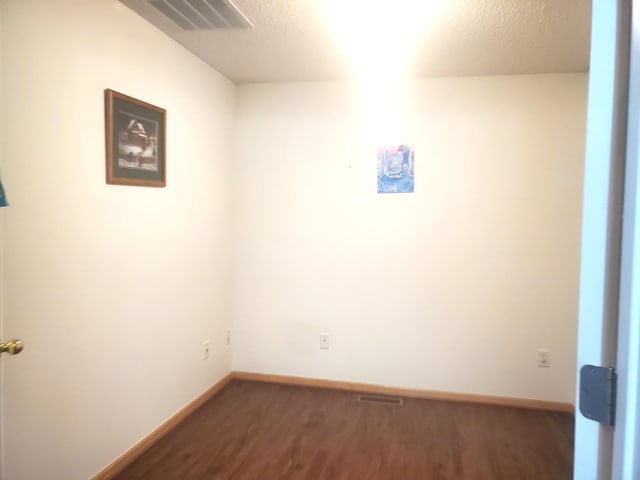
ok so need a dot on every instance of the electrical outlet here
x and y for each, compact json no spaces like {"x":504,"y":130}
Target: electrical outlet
{"x":228,"y":337}
{"x":325,"y":341}
{"x":207,"y":349}
{"x":544,"y":358}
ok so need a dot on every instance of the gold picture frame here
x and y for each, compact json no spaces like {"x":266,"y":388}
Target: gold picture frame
{"x":135,"y":141}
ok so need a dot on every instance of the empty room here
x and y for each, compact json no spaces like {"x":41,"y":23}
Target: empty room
{"x":295,"y":239}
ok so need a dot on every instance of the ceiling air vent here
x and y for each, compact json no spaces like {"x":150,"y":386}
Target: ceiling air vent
{"x":202,"y":14}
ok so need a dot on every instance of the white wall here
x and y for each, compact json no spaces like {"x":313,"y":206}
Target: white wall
{"x":112,"y":288}
{"x":1,"y":237}
{"x":450,"y":288}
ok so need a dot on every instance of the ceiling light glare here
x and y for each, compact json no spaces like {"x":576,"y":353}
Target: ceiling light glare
{"x":380,"y":37}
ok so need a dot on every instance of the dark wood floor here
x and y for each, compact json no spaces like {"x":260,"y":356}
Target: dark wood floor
{"x":253,"y":430}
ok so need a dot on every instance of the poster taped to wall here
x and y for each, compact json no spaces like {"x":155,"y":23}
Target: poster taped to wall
{"x":3,"y":198}
{"x":395,"y":169}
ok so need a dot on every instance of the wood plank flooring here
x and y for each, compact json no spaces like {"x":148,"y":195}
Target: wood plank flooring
{"x":254,"y":430}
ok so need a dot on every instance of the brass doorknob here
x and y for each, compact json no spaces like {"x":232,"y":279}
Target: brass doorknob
{"x":12,"y":347}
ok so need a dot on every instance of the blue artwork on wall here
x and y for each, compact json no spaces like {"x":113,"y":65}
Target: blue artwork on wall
{"x":395,"y":169}
{"x":3,"y":198}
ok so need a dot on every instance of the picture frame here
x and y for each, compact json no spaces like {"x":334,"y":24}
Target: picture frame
{"x":135,"y":141}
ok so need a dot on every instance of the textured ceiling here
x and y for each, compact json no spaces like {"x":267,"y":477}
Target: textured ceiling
{"x":293,"y":40}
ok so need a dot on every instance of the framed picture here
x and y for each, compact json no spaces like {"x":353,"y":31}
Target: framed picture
{"x":135,"y":139}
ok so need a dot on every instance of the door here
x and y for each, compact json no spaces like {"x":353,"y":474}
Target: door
{"x":609,"y":293}
{"x":626,"y":444}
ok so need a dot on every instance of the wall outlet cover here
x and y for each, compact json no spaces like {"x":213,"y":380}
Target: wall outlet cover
{"x":544,"y":358}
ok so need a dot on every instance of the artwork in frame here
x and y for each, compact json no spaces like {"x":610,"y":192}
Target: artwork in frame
{"x":396,"y":169}
{"x":135,"y":140}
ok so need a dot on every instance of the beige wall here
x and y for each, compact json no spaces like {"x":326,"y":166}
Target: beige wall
{"x":1,"y":232}
{"x":112,"y":288}
{"x":451,"y":288}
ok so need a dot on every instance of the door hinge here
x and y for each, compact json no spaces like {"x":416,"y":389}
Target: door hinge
{"x":598,"y":393}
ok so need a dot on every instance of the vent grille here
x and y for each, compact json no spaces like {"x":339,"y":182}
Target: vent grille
{"x":202,"y":14}
{"x":381,"y":400}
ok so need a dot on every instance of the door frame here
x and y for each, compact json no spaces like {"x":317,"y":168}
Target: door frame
{"x":606,"y":142}
{"x":609,"y":323}
{"x":626,"y":444}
